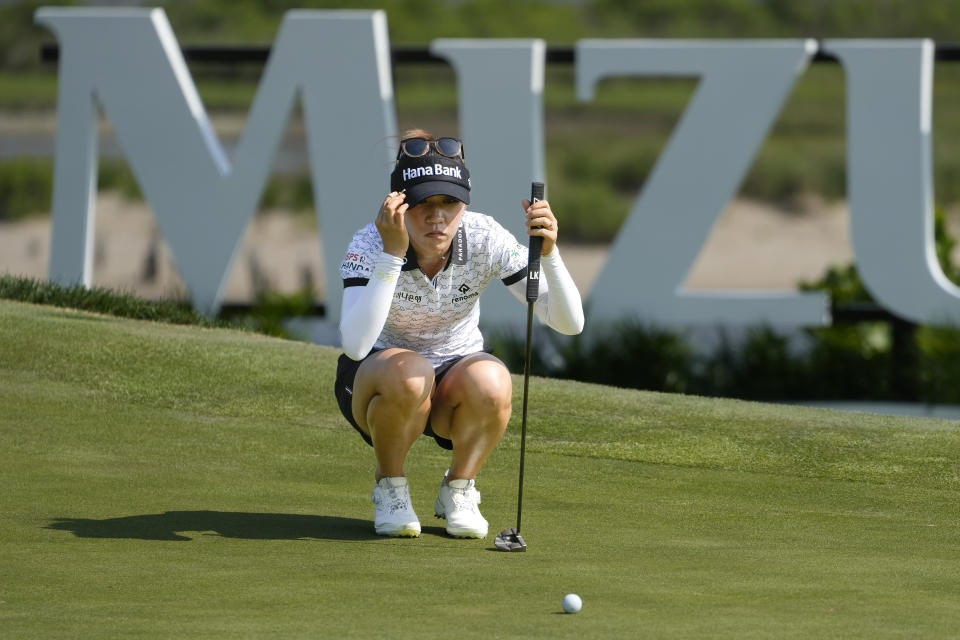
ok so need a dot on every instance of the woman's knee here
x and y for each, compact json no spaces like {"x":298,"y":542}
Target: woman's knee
{"x":488,"y":387}
{"x":402,"y":376}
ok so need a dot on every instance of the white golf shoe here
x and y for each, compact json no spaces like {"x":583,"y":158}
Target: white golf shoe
{"x":457,"y":503}
{"x":393,"y":514}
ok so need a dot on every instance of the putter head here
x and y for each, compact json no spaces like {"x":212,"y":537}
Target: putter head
{"x":510,"y":540}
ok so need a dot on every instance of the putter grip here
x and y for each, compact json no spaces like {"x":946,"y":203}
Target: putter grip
{"x":536,"y":244}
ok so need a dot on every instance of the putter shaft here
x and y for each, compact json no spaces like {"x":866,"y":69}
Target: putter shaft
{"x":523,"y":421}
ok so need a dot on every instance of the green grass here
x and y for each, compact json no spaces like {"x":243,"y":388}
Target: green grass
{"x":170,"y":481}
{"x":100,"y":300}
{"x":267,"y":315}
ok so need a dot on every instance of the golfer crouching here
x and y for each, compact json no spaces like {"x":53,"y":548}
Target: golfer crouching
{"x":414,"y":362}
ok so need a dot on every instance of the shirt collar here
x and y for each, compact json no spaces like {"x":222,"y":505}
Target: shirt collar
{"x":458,"y":252}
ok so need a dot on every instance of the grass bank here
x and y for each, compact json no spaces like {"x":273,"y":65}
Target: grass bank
{"x":167,"y":481}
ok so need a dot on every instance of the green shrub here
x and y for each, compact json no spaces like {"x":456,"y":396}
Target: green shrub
{"x":842,"y":282}
{"x":26,"y":185}
{"x":638,"y":356}
{"x":115,"y":175}
{"x":758,"y":367}
{"x":631,"y":355}
{"x":789,"y":166}
{"x":270,"y":310}
{"x":849,"y":362}
{"x":939,"y":364}
{"x":293,"y":192}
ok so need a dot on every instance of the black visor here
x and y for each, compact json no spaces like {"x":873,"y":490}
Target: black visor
{"x":431,"y":175}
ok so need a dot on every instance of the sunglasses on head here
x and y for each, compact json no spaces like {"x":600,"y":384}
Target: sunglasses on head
{"x":417,"y":147}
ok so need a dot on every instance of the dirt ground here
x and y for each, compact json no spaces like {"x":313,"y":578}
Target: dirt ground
{"x":752,"y":246}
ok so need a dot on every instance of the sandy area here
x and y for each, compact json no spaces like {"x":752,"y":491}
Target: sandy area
{"x":280,"y":252}
{"x":752,"y":246}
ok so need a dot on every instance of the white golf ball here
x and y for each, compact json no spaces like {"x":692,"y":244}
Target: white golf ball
{"x":572,"y":603}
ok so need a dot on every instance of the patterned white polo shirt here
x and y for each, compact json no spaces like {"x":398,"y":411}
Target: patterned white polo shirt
{"x":439,"y":318}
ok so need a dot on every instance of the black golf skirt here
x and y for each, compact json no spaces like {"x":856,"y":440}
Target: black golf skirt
{"x":343,"y":389}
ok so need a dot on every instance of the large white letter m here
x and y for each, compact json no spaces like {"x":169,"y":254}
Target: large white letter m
{"x":128,"y":63}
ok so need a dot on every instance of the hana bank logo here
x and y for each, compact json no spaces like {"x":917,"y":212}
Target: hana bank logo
{"x":435,"y":170}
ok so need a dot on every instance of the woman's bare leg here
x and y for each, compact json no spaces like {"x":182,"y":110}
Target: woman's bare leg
{"x":391,"y":403}
{"x":471,"y":407}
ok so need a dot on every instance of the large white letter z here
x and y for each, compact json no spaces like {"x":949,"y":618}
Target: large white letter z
{"x":742,"y":88}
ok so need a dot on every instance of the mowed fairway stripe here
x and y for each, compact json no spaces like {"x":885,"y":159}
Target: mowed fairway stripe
{"x":167,"y":481}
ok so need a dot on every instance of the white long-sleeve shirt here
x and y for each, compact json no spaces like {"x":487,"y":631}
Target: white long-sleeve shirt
{"x":389,"y":302}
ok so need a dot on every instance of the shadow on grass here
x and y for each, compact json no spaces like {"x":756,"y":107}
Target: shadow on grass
{"x":246,"y":526}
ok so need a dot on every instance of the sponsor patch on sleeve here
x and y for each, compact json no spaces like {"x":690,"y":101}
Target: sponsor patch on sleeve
{"x":355,"y":263}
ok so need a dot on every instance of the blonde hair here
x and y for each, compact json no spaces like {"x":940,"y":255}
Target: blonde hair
{"x":413,"y":133}
{"x":426,"y":135}
{"x":417,"y":133}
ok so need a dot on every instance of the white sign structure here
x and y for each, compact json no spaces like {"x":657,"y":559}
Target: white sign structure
{"x":889,"y":176}
{"x":742,"y":89}
{"x":126,"y":62}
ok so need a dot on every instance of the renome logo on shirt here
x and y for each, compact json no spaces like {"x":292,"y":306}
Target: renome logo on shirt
{"x":463,"y":288}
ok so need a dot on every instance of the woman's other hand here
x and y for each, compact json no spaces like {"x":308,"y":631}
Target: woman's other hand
{"x":541,"y":222}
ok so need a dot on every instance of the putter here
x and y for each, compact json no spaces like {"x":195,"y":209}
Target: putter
{"x":510,"y":539}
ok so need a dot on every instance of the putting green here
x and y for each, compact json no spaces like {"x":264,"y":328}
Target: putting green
{"x":165,"y":481}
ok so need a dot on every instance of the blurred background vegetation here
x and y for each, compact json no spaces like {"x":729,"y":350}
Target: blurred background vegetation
{"x":610,"y":146}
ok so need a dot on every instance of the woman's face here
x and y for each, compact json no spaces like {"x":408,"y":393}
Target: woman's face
{"x":432,"y":225}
